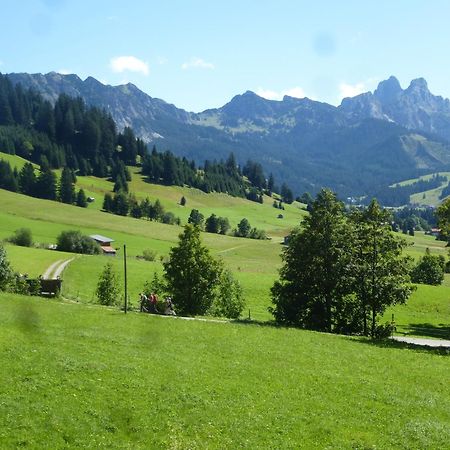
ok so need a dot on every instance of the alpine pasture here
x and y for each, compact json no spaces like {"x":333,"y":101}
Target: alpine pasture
{"x":91,"y":376}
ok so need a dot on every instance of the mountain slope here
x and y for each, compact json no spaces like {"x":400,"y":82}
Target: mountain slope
{"x":372,"y":139}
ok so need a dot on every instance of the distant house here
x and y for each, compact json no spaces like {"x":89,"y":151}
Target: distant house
{"x":436,"y":232}
{"x":105,"y":244}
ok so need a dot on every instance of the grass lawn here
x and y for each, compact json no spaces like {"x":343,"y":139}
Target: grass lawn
{"x":427,"y":312}
{"x":78,"y":376}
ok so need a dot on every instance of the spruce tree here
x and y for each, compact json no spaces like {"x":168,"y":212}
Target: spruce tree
{"x":27,"y":179}
{"x":81,"y":199}
{"x":46,"y":185}
{"x":66,"y":187}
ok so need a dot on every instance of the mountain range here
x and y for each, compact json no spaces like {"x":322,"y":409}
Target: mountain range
{"x":367,"y":142}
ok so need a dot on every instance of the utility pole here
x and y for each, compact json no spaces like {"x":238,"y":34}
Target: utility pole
{"x":125,"y":275}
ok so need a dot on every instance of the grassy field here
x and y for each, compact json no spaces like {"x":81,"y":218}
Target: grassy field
{"x":254,"y":263}
{"x":430,"y":197}
{"x":14,"y":160}
{"x":77,"y":376}
{"x":263,"y":216}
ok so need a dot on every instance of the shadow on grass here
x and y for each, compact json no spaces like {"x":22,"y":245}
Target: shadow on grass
{"x":391,"y":343}
{"x":440,"y":331}
{"x":261,"y":323}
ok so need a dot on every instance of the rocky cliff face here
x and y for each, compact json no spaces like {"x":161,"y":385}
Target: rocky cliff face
{"x":415,"y":108}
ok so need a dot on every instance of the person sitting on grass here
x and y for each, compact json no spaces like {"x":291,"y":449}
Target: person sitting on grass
{"x":170,"y":311}
{"x":143,"y":302}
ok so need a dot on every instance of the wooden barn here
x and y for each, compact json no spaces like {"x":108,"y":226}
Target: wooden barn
{"x":105,"y":244}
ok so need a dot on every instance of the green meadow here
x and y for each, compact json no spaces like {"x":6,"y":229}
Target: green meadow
{"x":84,"y":377}
{"x":78,"y":375}
{"x":431,"y":197}
{"x":254,"y":263}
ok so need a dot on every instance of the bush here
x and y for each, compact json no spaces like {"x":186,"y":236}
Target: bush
{"x":75,"y":242}
{"x":383,"y":331}
{"x":429,"y":270}
{"x":149,"y":255}
{"x":229,"y":301}
{"x":22,"y":237}
{"x":6,"y":273}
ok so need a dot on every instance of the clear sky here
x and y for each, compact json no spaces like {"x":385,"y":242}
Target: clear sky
{"x":198,"y":54}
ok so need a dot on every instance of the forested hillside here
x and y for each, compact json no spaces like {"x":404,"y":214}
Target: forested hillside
{"x":85,"y":140}
{"x":368,"y":143}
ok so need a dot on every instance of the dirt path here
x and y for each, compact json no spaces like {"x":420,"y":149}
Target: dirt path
{"x":424,"y":342}
{"x":56,"y":269}
{"x":50,"y":269}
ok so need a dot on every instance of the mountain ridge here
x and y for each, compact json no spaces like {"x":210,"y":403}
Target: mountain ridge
{"x":376,"y":137}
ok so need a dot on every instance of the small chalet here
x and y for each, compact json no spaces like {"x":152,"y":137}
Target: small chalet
{"x":105,"y":244}
{"x":436,"y":232}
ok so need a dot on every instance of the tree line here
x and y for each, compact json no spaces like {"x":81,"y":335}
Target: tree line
{"x":214,"y":176}
{"x":66,"y":134}
{"x":399,"y":195}
{"x":44,"y":185}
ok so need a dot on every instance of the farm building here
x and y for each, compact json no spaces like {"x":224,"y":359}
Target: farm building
{"x":105,"y":244}
{"x":436,"y":232}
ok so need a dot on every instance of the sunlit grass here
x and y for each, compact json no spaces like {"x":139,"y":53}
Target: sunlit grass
{"x":77,"y":377}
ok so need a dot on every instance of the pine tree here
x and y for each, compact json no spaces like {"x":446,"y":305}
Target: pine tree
{"x":46,"y":185}
{"x":81,"y":199}
{"x":108,"y":203}
{"x":66,"y":187}
{"x":191,"y":273}
{"x":27,"y":179}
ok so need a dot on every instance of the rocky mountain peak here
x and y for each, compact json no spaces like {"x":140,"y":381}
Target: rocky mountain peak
{"x":388,"y":90}
{"x":418,"y":84}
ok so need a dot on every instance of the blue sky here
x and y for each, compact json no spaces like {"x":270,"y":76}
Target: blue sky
{"x":198,"y":54}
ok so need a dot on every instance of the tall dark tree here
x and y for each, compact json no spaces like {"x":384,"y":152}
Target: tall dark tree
{"x":196,"y":218}
{"x":8,"y":177}
{"x":46,"y":185}
{"x":286,"y":194}
{"x":66,"y":186}
{"x":380,"y":271}
{"x":212,"y":224}
{"x":314,"y":279}
{"x":81,"y":199}
{"x":270,"y":184}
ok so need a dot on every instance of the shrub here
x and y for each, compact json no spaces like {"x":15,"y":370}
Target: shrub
{"x":229,"y":301}
{"x":75,"y":242}
{"x":22,"y":237}
{"x":429,"y":270}
{"x":383,"y":331}
{"x":149,"y":255}
{"x":6,"y":273}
